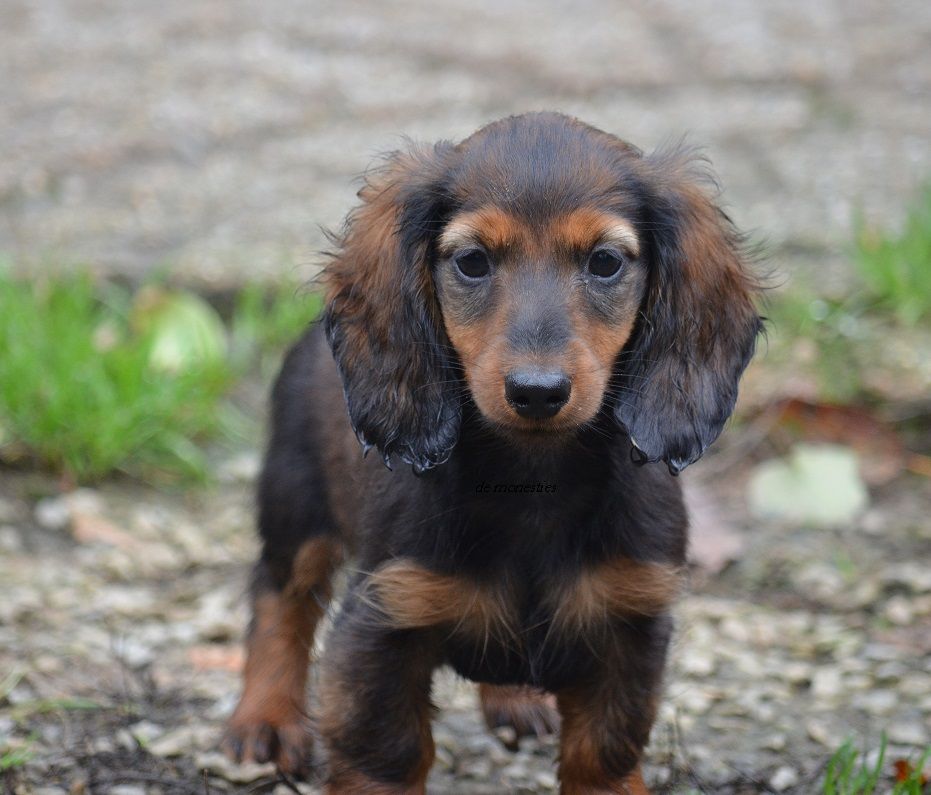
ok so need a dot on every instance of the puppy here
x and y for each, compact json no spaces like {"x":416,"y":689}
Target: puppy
{"x":536,"y":329}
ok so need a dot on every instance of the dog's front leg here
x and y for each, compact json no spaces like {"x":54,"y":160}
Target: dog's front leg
{"x":375,"y":705}
{"x":606,"y":719}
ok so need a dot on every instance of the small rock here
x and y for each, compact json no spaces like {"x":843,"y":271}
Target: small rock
{"x":910,"y":734}
{"x":181,"y":741}
{"x":890,"y":672}
{"x":796,"y":673}
{"x":694,"y":701}
{"x":288,"y":789}
{"x":53,"y":513}
{"x":103,"y":745}
{"x":126,"y":789}
{"x":478,"y":768}
{"x":877,"y":702}
{"x":507,"y":735}
{"x":912,"y":576}
{"x":783,"y":778}
{"x":546,"y":778}
{"x":444,"y":759}
{"x":880,"y":652}
{"x":218,"y":764}
{"x":514,"y":772}
{"x":242,"y":468}
{"x":145,"y":731}
{"x":774,"y":742}
{"x":134,"y":653}
{"x":826,"y":683}
{"x":898,"y":611}
{"x":820,"y":733}
{"x":698,"y":664}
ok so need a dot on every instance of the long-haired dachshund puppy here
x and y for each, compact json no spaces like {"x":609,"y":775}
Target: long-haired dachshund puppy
{"x":545,"y":325}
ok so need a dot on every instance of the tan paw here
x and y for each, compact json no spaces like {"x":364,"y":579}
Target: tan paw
{"x":287,"y":743}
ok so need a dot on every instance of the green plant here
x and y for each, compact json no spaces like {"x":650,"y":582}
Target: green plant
{"x":848,"y":772}
{"x":271,"y":319}
{"x":12,"y":757}
{"x":827,"y":334}
{"x":896,"y":269}
{"x":79,"y":389}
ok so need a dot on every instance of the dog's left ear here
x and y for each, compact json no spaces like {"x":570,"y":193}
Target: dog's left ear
{"x":383,"y":320}
{"x":698,"y":324}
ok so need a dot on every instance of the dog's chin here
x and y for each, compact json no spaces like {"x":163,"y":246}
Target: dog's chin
{"x":535,"y":433}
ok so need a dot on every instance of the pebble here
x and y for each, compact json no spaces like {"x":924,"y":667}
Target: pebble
{"x":144,"y":732}
{"x":181,"y":741}
{"x":877,"y":702}
{"x":908,"y":733}
{"x":53,"y":513}
{"x":783,"y":778}
{"x":775,"y":742}
{"x":820,"y":733}
{"x":827,"y":683}
{"x":218,"y":764}
{"x":697,"y":663}
{"x":241,"y":468}
{"x":477,"y":768}
{"x":898,"y":610}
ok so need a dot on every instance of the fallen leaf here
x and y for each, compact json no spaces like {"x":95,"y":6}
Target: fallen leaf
{"x":186,"y":331}
{"x":93,"y":529}
{"x":905,"y":771}
{"x":815,"y":484}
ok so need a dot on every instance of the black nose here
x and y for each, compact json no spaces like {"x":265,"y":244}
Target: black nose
{"x":537,"y":394}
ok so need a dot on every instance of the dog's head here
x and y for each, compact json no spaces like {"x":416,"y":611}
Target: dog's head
{"x":549,"y":271}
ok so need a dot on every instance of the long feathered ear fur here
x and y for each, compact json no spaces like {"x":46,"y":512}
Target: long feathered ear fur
{"x":382,"y":318}
{"x":698,"y":326}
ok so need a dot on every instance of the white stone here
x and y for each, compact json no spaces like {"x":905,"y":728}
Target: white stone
{"x":783,"y":778}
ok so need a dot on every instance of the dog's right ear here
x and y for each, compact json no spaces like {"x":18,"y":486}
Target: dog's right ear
{"x":383,"y":320}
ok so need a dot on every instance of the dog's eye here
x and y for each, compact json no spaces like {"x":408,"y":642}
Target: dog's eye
{"x":473,"y":264}
{"x":604,"y":263}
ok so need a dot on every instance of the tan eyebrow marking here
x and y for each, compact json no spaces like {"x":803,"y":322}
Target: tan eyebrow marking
{"x":489,"y":226}
{"x":586,"y":227}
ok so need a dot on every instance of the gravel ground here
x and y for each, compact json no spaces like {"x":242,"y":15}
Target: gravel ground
{"x":123,"y":610}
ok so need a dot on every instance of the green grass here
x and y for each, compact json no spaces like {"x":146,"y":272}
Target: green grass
{"x":896,"y":268}
{"x":271,"y":320}
{"x":833,"y":330}
{"x":11,"y":758}
{"x":848,"y":773}
{"x":96,"y":379}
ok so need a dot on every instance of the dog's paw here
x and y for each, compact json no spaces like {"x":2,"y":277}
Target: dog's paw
{"x":288,"y":743}
{"x":530,"y":712}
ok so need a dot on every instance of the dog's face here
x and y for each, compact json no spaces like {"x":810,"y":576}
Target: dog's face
{"x":548,"y":272}
{"x":538,"y":309}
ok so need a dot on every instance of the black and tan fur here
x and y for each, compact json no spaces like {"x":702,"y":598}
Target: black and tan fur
{"x":553,"y":600}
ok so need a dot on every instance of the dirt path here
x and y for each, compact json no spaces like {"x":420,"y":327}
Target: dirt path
{"x":123,"y":609}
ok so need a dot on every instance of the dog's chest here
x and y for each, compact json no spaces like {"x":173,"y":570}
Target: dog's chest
{"x":521,"y":621}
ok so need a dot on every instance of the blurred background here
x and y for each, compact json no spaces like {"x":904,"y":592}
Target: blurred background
{"x":166,"y":170}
